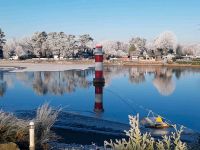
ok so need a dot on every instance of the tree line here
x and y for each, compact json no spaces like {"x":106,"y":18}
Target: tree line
{"x":47,"y":45}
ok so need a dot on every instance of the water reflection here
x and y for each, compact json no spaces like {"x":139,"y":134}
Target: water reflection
{"x":136,"y":75}
{"x":3,"y":84}
{"x":163,"y":81}
{"x":98,"y":106}
{"x":58,"y":83}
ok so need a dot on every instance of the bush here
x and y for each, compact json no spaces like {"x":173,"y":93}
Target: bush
{"x":45,"y":118}
{"x":11,"y":128}
{"x":16,"y":130}
{"x":139,"y":141}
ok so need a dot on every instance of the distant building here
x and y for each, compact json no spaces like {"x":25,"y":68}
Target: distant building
{"x":158,"y":56}
{"x":56,"y":57}
{"x":169,"y":57}
{"x":187,"y":57}
{"x":124,"y":58}
{"x":135,"y":55}
{"x":14,"y":57}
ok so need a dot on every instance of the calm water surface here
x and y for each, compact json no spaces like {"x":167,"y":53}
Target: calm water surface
{"x":173,"y":93}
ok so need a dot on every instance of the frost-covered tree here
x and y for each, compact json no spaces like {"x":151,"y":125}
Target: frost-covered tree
{"x":191,"y":49}
{"x":83,"y":43}
{"x":2,"y":42}
{"x":21,"y":48}
{"x":19,"y":51}
{"x":53,"y":43}
{"x":71,"y":46}
{"x":109,"y":47}
{"x":37,"y":41}
{"x":166,"y":42}
{"x":179,"y":50}
{"x":84,"y":40}
{"x":9,"y":49}
{"x":150,"y":46}
{"x":131,"y":50}
{"x":196,"y":50}
{"x":139,"y":43}
{"x":58,"y":43}
{"x":115,"y":48}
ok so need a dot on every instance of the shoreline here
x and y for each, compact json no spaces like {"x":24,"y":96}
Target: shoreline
{"x":41,"y":65}
{"x":26,"y":66}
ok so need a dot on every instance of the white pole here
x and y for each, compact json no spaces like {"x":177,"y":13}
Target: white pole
{"x":31,"y":136}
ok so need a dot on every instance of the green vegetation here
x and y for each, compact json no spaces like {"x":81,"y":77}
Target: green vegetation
{"x":196,"y":62}
{"x":139,"y":141}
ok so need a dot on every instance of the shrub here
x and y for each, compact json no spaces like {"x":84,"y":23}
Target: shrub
{"x":11,"y":128}
{"x":16,"y":130}
{"x":45,"y":118}
{"x":138,"y":141}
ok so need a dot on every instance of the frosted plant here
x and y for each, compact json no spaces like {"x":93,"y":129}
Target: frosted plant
{"x":84,"y":40}
{"x":2,"y":39}
{"x":70,"y":45}
{"x":139,"y":43}
{"x":37,"y":41}
{"x":166,"y":42}
{"x":150,"y":45}
{"x":191,"y":49}
{"x":115,"y":48}
{"x":45,"y":118}
{"x":10,"y":48}
{"x":15,"y":130}
{"x":138,"y":141}
{"x":176,"y":138}
{"x":11,"y":128}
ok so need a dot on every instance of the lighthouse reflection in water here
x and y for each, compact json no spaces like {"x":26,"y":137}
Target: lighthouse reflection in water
{"x":98,"y":106}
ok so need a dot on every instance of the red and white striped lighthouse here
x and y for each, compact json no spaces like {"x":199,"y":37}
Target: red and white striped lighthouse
{"x":98,"y":81}
{"x":99,"y":65}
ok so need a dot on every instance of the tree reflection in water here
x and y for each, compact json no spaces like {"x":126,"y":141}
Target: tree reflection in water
{"x":163,"y":81}
{"x":58,"y":83}
{"x":3,"y":84}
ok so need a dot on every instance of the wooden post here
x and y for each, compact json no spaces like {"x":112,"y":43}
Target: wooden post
{"x":31,"y":136}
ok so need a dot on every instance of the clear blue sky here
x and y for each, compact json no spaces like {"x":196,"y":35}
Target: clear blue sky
{"x":103,"y":19}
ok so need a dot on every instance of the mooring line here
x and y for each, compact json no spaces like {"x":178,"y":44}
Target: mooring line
{"x":130,"y":100}
{"x":123,"y":99}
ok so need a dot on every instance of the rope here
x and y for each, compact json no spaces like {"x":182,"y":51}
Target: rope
{"x":121,"y":98}
{"x":125,"y":100}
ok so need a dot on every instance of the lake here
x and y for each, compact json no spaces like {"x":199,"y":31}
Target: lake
{"x":173,"y":93}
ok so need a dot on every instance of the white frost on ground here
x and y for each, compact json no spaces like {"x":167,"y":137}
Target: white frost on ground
{"x":29,"y":67}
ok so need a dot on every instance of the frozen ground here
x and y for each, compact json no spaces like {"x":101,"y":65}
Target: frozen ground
{"x":29,"y":67}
